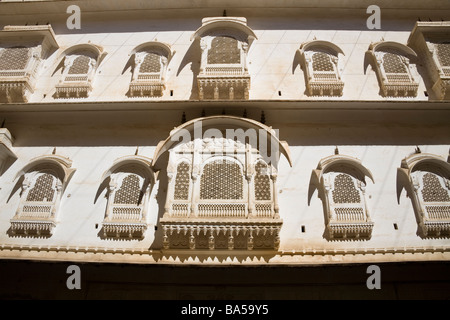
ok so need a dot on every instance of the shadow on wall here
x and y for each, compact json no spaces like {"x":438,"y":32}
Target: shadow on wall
{"x":192,"y":57}
{"x":161,"y":195}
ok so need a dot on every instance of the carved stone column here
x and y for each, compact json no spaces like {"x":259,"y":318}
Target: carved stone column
{"x":276,"y":208}
{"x":250,"y":239}
{"x":230,"y":239}
{"x":251,"y":195}
{"x":145,"y":203}
{"x":57,"y":199}
{"x":211,"y":240}
{"x":170,"y":188}
{"x":166,"y":243}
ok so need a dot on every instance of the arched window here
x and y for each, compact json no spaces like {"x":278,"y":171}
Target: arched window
{"x":80,"y":65}
{"x":224,"y":43}
{"x":391,"y":62}
{"x":221,"y":193}
{"x":322,"y":71}
{"x":342,"y":189}
{"x":44,"y":181}
{"x":150,"y":62}
{"x":22,"y":48}
{"x":130,"y":183}
{"x":428,"y":184}
{"x":18,"y":72}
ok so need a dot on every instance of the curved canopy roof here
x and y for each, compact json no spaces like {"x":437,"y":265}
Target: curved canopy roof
{"x":217,"y":121}
{"x":61,"y":163}
{"x":141,"y":161}
{"x":321,"y":43}
{"x":328,"y":162}
{"x":238,"y":23}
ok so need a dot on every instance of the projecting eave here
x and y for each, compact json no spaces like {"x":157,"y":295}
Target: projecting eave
{"x":42,"y":33}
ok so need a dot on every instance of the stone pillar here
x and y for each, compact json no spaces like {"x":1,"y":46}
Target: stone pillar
{"x":276,"y":208}
{"x":57,"y":200}
{"x":169,"y":197}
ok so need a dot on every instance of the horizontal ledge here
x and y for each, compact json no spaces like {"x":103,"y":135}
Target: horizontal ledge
{"x":134,"y":105}
{"x":280,"y":253}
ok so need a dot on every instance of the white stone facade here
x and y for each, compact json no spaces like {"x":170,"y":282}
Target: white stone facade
{"x":360,"y":118}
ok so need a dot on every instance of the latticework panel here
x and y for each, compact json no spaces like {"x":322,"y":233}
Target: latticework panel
{"x":443,"y":53}
{"x":182,"y":181}
{"x":322,"y":62}
{"x":151,"y":63}
{"x":344,"y":190}
{"x":393,"y":64}
{"x":43,"y":190}
{"x":262,"y":182}
{"x":224,"y":50}
{"x":14,"y":58}
{"x":129,"y":192}
{"x":432,"y":189}
{"x":221,"y":179}
{"x":80,"y":65}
